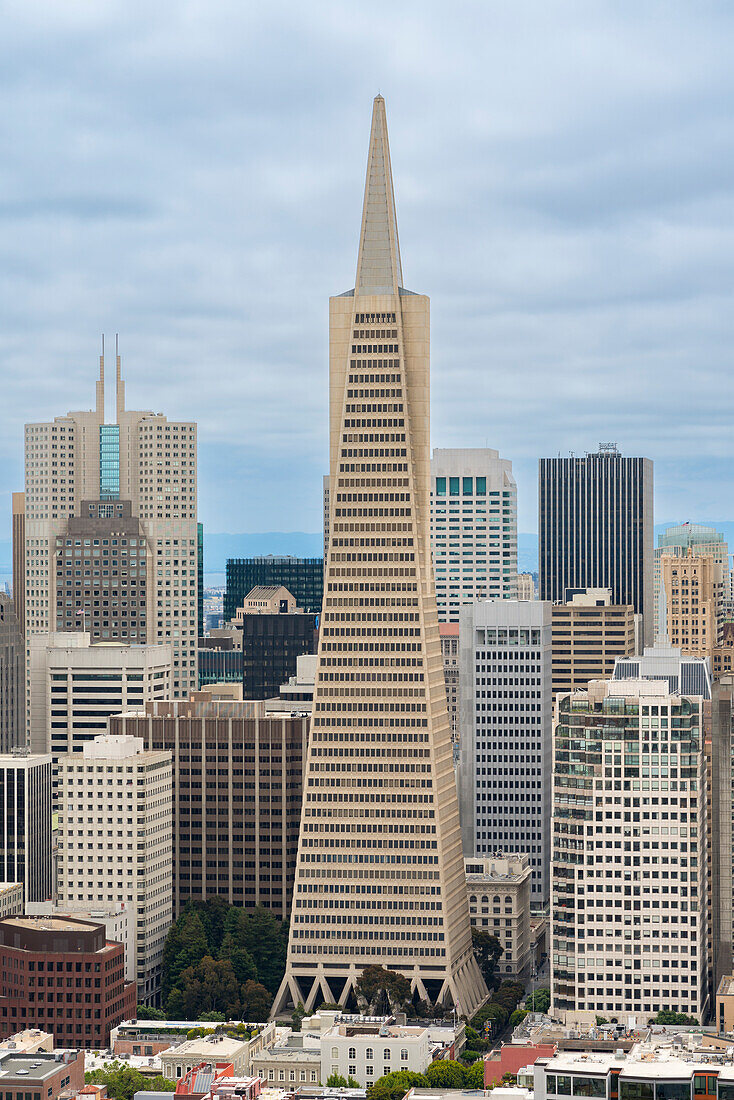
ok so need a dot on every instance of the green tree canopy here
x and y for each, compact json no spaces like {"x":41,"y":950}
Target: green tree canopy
{"x":210,"y":986}
{"x":395,"y":1085}
{"x":487,"y":950}
{"x":668,"y":1016}
{"x":378,"y":988}
{"x":123,"y":1082}
{"x":446,"y":1074}
{"x":539,"y":1001}
{"x":475,"y":1075}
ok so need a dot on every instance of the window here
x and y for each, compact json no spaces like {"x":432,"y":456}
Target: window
{"x":468,"y":486}
{"x":441,"y":486}
{"x":369,"y":1055}
{"x":403,"y":1055}
{"x":699,"y":1084}
{"x":674,"y":1090}
{"x":589,"y":1086}
{"x":635,"y":1090}
{"x":563,"y":1085}
{"x":386,"y":1054}
{"x":352,"y":1053}
{"x":335,"y":1052}
{"x":454,"y":486}
{"x":481,"y":486}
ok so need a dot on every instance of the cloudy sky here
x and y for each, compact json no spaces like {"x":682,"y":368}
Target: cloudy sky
{"x":190,"y":175}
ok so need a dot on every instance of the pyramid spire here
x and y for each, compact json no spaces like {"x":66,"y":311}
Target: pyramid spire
{"x":378,"y":262}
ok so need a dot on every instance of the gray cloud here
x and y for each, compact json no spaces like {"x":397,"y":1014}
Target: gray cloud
{"x":191,"y":175}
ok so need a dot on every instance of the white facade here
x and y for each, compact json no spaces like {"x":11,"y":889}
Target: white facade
{"x":630,"y":876}
{"x":505,"y":724}
{"x":473,"y":528}
{"x":116,"y":842}
{"x":75,"y":686}
{"x":177,"y":1062}
{"x":117,"y":918}
{"x":367,"y":1053}
{"x":156,"y":472}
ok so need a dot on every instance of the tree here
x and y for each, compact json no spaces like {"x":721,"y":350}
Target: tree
{"x":395,"y":1085}
{"x":211,"y":986}
{"x":256,"y":1002}
{"x":186,"y":945}
{"x":213,"y":1017}
{"x":475,"y":1075}
{"x":266,"y":940}
{"x":667,"y":1016}
{"x":538,"y":1001}
{"x":518,"y":1016}
{"x":147,"y":1012}
{"x":336,"y":1081}
{"x":123,"y":1082}
{"x":378,"y":1092}
{"x":487,"y":950}
{"x":378,"y":988}
{"x":601,"y":1020}
{"x":446,"y":1074}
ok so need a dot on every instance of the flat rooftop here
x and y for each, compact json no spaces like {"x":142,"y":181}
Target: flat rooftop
{"x":726,"y":986}
{"x":646,"y":1060}
{"x":31,"y":1067}
{"x":48,"y":924}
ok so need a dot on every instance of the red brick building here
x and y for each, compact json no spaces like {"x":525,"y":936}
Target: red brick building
{"x":43,"y":1075}
{"x":62,"y":975}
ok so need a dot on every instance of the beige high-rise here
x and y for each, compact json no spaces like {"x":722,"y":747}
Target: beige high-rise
{"x":691,"y":594}
{"x":380,"y":875}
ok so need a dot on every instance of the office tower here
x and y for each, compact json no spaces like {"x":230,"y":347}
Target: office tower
{"x":596,"y":529}
{"x":684,"y":674}
{"x":25,"y":823}
{"x":380,"y":875}
{"x":473,"y":528}
{"x":296,"y":695}
{"x":111,"y":538}
{"x":12,"y":678}
{"x":449,"y":635}
{"x":304,"y":577}
{"x":236,"y":800}
{"x":499,"y":903}
{"x":75,"y":686}
{"x":690,"y":600}
{"x":41,"y":961}
{"x":722,"y":849}
{"x":200,"y":579}
{"x":630,"y":878}
{"x":589,"y":633}
{"x":116,"y":790}
{"x":18,"y":533}
{"x":505,"y":732}
{"x":525,"y":586}
{"x":677,"y":541}
{"x":275,"y":633}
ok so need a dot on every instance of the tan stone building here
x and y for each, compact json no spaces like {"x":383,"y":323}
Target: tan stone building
{"x":692,"y":591}
{"x":267,"y":600}
{"x":498,"y":888}
{"x":525,"y":586}
{"x":110,"y":529}
{"x":380,"y":873}
{"x":589,"y":633}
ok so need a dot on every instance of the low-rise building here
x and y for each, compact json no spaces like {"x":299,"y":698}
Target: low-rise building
{"x":366,"y":1051}
{"x":725,"y":1005}
{"x":295,"y":1059}
{"x":178,"y":1061}
{"x":499,"y":903}
{"x":41,"y":1075}
{"x":28,"y":1042}
{"x":200,"y":1079}
{"x":11,"y":899}
{"x":654,"y":1069}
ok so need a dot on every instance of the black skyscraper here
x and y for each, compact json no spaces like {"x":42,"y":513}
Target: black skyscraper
{"x":596,"y":529}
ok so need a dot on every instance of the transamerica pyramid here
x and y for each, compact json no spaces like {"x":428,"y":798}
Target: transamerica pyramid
{"x":380,"y":872}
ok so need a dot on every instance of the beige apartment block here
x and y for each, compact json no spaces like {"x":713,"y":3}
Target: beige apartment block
{"x":94,"y":492}
{"x":74,"y":686}
{"x":525,"y":586}
{"x":380,"y":873}
{"x":499,"y":903}
{"x":449,"y":633}
{"x":12,"y":896}
{"x":116,"y":841}
{"x":691,"y":594}
{"x":589,"y":633}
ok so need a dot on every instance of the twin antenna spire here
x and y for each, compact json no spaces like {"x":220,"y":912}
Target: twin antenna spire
{"x":119,"y":384}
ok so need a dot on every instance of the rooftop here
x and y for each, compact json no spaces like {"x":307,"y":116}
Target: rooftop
{"x":48,"y":924}
{"x":726,"y":986}
{"x":672,"y":1059}
{"x":34,"y":1067}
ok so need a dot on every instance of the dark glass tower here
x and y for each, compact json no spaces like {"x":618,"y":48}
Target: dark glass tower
{"x":596,"y":529}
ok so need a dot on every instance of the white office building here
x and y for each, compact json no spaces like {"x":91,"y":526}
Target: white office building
{"x":473,"y":528}
{"x":116,"y":841}
{"x":75,"y":686}
{"x":505,"y":723}
{"x":629,"y":931}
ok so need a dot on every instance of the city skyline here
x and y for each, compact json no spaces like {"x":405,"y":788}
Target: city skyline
{"x":576,"y":199}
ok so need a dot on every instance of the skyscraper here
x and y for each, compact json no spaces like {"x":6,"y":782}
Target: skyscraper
{"x":676,"y":541}
{"x":629,"y":922}
{"x":380,"y":875}
{"x":110,"y":528}
{"x":506,"y":731}
{"x":473,"y":528}
{"x":12,"y":678}
{"x":596,"y":529}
